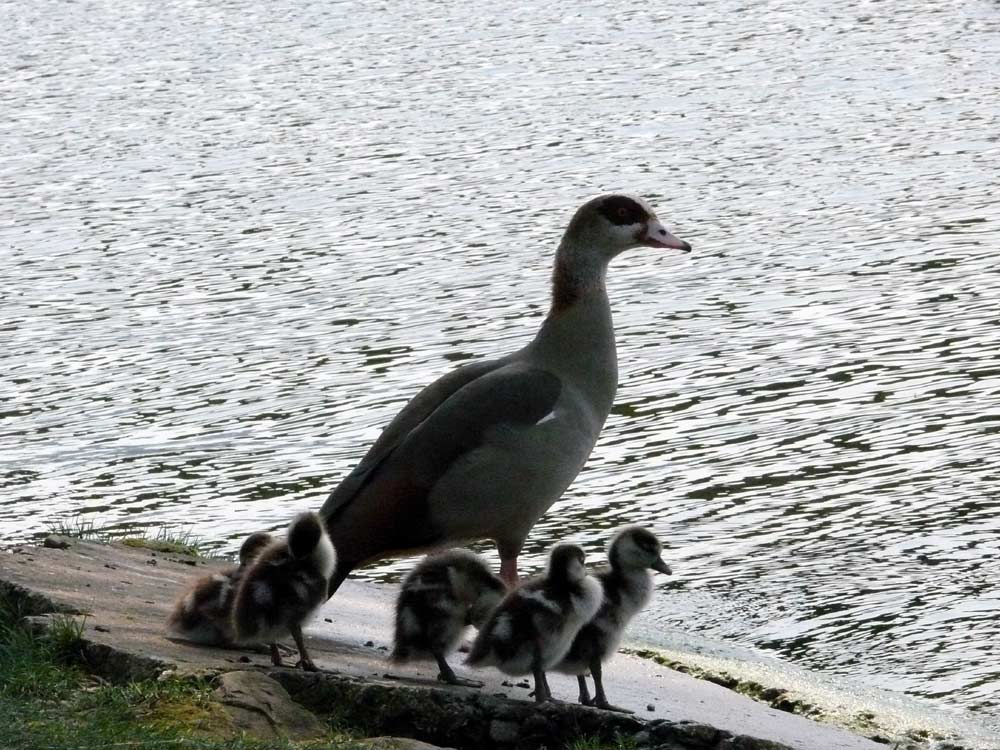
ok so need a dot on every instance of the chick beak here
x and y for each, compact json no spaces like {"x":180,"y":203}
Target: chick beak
{"x":656,"y":235}
{"x":661,"y":567}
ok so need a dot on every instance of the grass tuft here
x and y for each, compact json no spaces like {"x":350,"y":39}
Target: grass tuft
{"x":165,"y":540}
{"x":64,"y":637}
{"x":621,"y":742}
{"x":158,"y":538}
{"x":78,"y":527}
{"x":30,"y":662}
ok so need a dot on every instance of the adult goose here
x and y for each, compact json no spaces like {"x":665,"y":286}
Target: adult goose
{"x":482,"y":452}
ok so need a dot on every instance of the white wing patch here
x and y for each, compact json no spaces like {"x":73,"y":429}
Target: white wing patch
{"x":409,"y":625}
{"x":224,"y":590}
{"x":301,"y":590}
{"x":501,"y":628}
{"x":261,"y":594}
{"x":539,"y":598}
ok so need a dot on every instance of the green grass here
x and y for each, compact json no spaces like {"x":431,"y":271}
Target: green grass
{"x":78,"y":527}
{"x":47,"y":703}
{"x":29,"y":665}
{"x":592,"y":743}
{"x":165,"y":540}
{"x":162,"y":539}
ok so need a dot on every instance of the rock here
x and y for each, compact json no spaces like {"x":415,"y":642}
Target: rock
{"x":504,"y":732}
{"x":57,"y":541}
{"x":686,"y":733}
{"x":398,"y":743}
{"x":650,"y":707}
{"x":260,"y":706}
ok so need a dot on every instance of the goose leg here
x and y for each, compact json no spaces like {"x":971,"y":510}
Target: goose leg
{"x":508,"y":571}
{"x":600,"y":699}
{"x":448,"y":675}
{"x":304,"y":660}
{"x":585,"y":699}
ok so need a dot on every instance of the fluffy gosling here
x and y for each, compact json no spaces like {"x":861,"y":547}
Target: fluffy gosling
{"x":284,"y":585}
{"x":439,"y":598}
{"x":534,"y":625}
{"x":202,"y":614}
{"x":626,"y":585}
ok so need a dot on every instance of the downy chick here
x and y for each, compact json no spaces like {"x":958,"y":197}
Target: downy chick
{"x":283,"y":586}
{"x":626,"y":587}
{"x":203,"y":614}
{"x":442,"y":595}
{"x":534,"y":626}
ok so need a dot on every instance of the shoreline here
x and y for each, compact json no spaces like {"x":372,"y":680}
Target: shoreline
{"x":897,"y":728}
{"x":135,"y":587}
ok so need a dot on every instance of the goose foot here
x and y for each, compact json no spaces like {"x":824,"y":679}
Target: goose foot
{"x":454,"y":679}
{"x":610,"y":707}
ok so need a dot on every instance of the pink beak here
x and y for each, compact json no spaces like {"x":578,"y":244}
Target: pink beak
{"x":656,"y":235}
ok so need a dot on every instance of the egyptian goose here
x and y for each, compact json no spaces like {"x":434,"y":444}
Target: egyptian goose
{"x":482,"y":452}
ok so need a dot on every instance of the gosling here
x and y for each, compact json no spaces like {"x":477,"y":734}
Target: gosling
{"x":202,"y":614}
{"x":284,"y":586}
{"x":439,"y":598}
{"x":626,"y":587}
{"x":534,"y":625}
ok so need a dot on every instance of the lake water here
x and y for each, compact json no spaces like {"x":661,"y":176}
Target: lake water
{"x":235,"y":238}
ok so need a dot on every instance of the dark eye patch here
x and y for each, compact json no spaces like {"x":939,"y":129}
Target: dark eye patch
{"x":646,"y":542}
{"x":622,"y":211}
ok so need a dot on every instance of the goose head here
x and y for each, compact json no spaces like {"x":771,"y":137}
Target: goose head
{"x":601,"y":229}
{"x":613,"y":223}
{"x":566,"y":564}
{"x":635,"y":548}
{"x":252,"y":546}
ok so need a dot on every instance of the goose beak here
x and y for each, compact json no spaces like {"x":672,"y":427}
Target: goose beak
{"x":656,"y":235}
{"x":661,"y":567}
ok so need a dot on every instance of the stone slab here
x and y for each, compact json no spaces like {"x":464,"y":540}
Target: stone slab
{"x":127,"y":592}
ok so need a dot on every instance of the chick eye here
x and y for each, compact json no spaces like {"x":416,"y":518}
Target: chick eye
{"x":622,"y":212}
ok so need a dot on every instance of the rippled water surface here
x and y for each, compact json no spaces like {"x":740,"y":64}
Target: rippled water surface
{"x":235,"y":238}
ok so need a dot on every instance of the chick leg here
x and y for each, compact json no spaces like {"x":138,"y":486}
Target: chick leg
{"x":548,"y":690}
{"x":600,"y":699}
{"x":304,"y":660}
{"x":276,"y":655}
{"x":448,"y":675}
{"x":585,"y":699}
{"x":541,"y":688}
{"x":541,"y":684}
